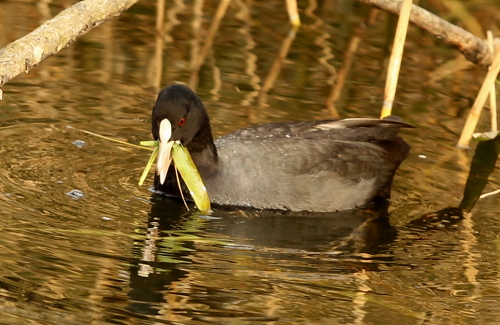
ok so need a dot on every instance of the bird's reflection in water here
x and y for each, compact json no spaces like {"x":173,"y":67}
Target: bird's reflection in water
{"x":362,"y":230}
{"x":172,"y":233}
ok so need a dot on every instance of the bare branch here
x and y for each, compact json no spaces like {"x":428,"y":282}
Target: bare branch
{"x":474,"y":49}
{"x":55,"y":34}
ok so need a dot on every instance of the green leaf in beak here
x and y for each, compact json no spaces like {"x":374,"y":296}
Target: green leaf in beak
{"x":151,"y":143}
{"x":189,"y":173}
{"x":148,"y":166}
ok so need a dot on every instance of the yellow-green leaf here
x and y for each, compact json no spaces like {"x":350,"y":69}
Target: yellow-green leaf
{"x":184,"y":163}
{"x":148,"y":166}
{"x":151,"y":143}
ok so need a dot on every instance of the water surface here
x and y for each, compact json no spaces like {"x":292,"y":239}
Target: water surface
{"x":110,"y":253}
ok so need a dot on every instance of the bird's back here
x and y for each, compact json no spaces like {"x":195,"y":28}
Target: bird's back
{"x":318,"y":166}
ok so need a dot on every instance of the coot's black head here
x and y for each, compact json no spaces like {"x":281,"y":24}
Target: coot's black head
{"x":184,"y":111}
{"x":179,"y":115}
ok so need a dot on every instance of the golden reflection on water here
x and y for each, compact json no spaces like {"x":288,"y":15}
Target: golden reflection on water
{"x":118,"y":256}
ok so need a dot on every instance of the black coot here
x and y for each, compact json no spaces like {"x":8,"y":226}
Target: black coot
{"x":317,"y":166}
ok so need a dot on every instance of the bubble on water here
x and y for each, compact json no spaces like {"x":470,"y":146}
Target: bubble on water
{"x":79,"y":143}
{"x":76,"y":194}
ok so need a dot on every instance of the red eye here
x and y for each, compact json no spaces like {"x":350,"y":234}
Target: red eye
{"x":182,"y":121}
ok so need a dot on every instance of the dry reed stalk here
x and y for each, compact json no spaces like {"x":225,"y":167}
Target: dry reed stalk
{"x":293,"y":13}
{"x":395,"y":60}
{"x":493,"y":95}
{"x":475,"y":112}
